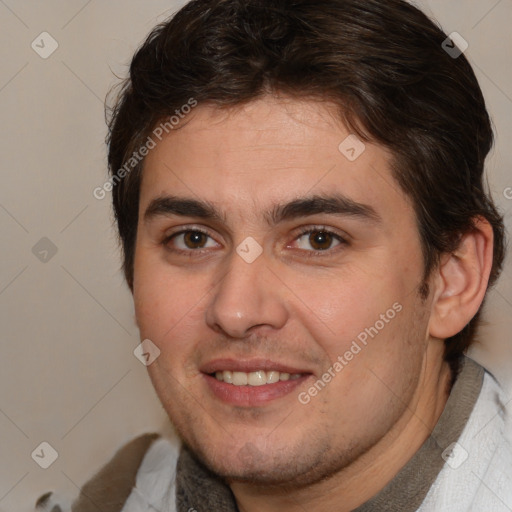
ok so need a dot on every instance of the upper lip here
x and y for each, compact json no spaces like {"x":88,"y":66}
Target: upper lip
{"x":250,"y":365}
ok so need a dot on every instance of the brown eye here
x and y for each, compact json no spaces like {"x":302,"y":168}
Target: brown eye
{"x":194,"y":239}
{"x":320,"y":240}
{"x":189,"y":241}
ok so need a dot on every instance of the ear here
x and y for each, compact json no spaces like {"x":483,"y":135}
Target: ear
{"x":461,"y":281}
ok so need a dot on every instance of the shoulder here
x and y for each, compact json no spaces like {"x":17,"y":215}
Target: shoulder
{"x":477,"y":475}
{"x":112,"y":485}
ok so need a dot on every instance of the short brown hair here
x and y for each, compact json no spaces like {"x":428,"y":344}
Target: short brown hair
{"x":383,"y":63}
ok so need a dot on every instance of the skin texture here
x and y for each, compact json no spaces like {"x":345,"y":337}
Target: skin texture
{"x":295,"y":305}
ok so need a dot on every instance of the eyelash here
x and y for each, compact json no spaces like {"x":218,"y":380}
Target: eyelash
{"x":321,"y":229}
{"x":304,"y":231}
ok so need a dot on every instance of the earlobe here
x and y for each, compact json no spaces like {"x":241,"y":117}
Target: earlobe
{"x":462,"y":280}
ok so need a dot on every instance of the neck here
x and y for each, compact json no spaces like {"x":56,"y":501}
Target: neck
{"x":371,"y":472}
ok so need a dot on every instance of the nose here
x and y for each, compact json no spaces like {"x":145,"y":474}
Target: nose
{"x":248,"y":296}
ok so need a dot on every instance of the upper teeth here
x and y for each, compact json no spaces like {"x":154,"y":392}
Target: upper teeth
{"x":258,"y":378}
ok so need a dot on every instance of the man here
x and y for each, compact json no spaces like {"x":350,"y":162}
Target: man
{"x":298,"y":187}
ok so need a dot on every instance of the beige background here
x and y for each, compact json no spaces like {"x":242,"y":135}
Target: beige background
{"x":67,"y":372}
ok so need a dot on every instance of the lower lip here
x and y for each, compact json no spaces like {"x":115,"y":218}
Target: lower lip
{"x":251,"y":396}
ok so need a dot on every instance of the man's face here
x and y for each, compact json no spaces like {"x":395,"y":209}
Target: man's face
{"x":212,"y":303}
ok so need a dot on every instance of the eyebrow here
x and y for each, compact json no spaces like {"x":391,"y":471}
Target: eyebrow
{"x":333,"y":204}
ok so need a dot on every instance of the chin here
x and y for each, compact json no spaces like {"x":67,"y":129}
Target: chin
{"x":254,"y":468}
{"x":286,"y":473}
{"x":276,"y":465}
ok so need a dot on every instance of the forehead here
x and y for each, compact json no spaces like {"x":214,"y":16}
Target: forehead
{"x":247,"y":159}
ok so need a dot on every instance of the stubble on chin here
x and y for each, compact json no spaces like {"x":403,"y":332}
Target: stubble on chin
{"x":276,"y":469}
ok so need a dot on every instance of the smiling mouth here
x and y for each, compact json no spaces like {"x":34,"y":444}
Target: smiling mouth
{"x":257,"y":378}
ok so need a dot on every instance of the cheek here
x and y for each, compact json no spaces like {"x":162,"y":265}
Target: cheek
{"x":343,"y":306}
{"x":376,"y":362}
{"x":165,"y":300}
